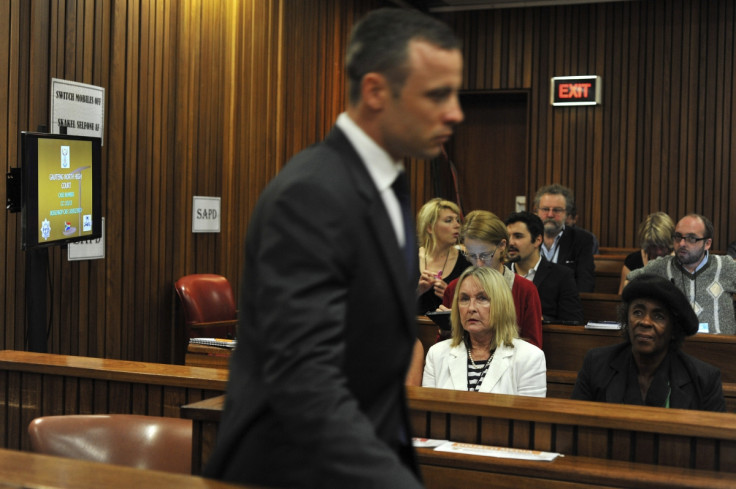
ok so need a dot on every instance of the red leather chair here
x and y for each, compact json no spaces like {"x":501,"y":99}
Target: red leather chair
{"x":145,"y":442}
{"x":208,"y":309}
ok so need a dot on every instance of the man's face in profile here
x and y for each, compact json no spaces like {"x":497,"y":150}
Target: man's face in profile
{"x":421,"y":117}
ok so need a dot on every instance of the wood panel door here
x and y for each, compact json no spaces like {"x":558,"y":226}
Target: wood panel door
{"x":489,"y":150}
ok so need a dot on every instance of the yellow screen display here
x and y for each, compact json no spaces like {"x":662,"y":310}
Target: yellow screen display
{"x":64,"y":189}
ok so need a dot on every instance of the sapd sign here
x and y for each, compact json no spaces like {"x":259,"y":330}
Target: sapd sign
{"x":205,"y":214}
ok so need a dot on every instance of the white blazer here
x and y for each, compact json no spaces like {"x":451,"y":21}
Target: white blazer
{"x":521,"y":370}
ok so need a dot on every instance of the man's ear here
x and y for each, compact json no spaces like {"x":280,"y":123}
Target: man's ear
{"x":708,"y":243}
{"x":374,"y":90}
{"x":538,"y":241}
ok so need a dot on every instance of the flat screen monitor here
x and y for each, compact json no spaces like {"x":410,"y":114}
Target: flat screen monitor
{"x":61,"y":189}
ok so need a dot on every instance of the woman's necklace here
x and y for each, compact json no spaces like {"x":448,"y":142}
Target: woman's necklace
{"x":470,"y":356}
{"x":441,"y":273}
{"x":477,"y":385}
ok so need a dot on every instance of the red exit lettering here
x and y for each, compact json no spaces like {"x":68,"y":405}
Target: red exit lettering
{"x":574,"y":90}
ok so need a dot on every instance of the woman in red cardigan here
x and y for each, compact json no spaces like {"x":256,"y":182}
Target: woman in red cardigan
{"x":485,"y":238}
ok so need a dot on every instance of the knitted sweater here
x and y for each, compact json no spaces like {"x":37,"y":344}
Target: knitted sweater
{"x":709,"y":289}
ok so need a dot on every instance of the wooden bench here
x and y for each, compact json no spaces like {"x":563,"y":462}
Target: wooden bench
{"x":451,"y":470}
{"x":560,"y":384}
{"x":646,"y":435}
{"x":608,"y":273}
{"x":600,"y":307}
{"x":565,"y":347}
{"x":512,"y":421}
{"x":40,"y":384}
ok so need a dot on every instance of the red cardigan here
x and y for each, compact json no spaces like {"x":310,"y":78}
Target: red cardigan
{"x":527,"y":304}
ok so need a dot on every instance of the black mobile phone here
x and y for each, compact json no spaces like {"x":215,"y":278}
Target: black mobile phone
{"x":441,"y":319}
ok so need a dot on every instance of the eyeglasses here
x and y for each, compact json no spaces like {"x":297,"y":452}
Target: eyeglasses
{"x":484,"y":257}
{"x":554,"y":210}
{"x":481,"y":301}
{"x":688,"y":239}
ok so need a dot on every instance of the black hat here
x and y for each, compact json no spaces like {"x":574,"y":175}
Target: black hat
{"x":662,"y":290}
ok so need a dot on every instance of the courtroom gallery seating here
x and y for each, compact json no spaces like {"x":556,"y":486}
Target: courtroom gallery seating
{"x":144,"y":442}
{"x":208,"y":308}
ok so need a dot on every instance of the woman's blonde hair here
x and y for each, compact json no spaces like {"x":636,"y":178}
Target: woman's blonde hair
{"x":427,"y":218}
{"x":486,"y":226}
{"x":657,"y":230}
{"x":503,"y":313}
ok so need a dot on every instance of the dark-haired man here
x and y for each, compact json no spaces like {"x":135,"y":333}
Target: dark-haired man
{"x":555,"y":283}
{"x":326,"y":320}
{"x":567,"y":246}
{"x":708,"y":281}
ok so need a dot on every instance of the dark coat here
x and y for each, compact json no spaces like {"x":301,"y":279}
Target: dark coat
{"x":326,"y":329}
{"x":576,"y":253}
{"x":557,"y":292}
{"x":694,"y":384}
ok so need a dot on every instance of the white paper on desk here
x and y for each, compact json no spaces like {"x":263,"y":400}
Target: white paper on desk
{"x":427,"y":442}
{"x":614,"y":325}
{"x":500,"y":452}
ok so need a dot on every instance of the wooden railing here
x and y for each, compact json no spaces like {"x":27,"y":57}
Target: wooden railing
{"x":628,"y":446}
{"x":38,"y":384}
{"x":656,"y":436}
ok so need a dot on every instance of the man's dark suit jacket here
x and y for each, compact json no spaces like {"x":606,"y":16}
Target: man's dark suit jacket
{"x":694,"y":384}
{"x":558,"y":292}
{"x":326,"y":330}
{"x":576,"y":253}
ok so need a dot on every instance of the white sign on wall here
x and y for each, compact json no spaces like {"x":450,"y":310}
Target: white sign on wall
{"x":92,"y":249}
{"x":78,"y":107}
{"x":205,"y":214}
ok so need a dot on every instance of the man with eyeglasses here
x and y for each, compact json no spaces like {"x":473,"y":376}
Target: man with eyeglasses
{"x":707,"y":280}
{"x":567,"y":246}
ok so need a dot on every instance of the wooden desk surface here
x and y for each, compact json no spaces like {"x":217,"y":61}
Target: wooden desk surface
{"x":24,"y":470}
{"x":450,"y":470}
{"x":207,"y":356}
{"x":117,"y":370}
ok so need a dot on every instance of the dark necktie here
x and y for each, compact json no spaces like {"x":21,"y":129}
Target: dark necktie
{"x":401,"y":189}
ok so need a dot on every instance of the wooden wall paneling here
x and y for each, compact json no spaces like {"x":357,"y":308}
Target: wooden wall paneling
{"x":543,"y":436}
{"x":631,"y":163}
{"x":4,"y":415}
{"x":30,"y":402}
{"x":726,"y":454}
{"x":132,"y":229}
{"x":671,"y":450}
{"x":114,"y":162}
{"x":723,"y":95}
{"x":592,"y":442}
{"x":592,"y":188}
{"x":9,"y":27}
{"x":495,"y":432}
{"x":523,"y":434}
{"x":141,"y":210}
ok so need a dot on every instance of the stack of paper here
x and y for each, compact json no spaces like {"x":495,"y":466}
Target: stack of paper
{"x":221,"y":342}
{"x":603,"y":325}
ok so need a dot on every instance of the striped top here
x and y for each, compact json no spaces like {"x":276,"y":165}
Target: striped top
{"x":476,"y":373}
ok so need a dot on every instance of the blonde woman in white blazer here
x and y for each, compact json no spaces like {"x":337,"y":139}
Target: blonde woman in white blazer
{"x":485,"y":353}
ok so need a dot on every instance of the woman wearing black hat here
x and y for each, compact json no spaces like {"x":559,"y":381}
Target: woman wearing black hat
{"x":649,"y":368}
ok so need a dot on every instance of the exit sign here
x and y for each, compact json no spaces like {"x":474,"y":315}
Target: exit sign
{"x":575,"y":90}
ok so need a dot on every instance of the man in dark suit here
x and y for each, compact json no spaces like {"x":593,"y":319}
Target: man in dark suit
{"x":555,"y":283}
{"x":327,"y":325}
{"x":565,"y":245}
